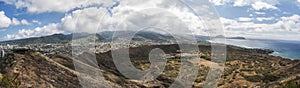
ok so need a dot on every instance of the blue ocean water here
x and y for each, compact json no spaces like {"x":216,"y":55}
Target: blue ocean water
{"x":283,"y":48}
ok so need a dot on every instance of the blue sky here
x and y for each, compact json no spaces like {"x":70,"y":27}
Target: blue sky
{"x":270,"y":19}
{"x":34,"y":20}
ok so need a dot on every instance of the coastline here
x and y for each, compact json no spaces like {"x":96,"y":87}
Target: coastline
{"x":260,"y":44}
{"x":273,"y":53}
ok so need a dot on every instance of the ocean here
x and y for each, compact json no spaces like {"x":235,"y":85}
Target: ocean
{"x":284,"y":48}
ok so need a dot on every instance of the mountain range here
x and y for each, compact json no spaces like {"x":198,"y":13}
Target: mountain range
{"x":108,"y":36}
{"x":105,"y":36}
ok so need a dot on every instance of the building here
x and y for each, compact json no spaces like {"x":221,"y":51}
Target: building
{"x":2,"y":53}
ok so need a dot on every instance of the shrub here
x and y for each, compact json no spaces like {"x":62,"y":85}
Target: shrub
{"x":270,"y":77}
{"x":291,"y":85}
{"x":9,"y":81}
{"x":198,"y":80}
{"x":255,"y":78}
{"x":205,"y":57}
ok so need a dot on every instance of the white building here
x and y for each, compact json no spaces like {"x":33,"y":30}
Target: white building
{"x":2,"y":53}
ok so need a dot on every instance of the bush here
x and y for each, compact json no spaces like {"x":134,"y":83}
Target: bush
{"x":255,"y":78}
{"x":227,"y":72}
{"x":291,"y":85}
{"x":270,"y":77}
{"x":199,"y":80}
{"x":205,"y":57}
{"x":9,"y":82}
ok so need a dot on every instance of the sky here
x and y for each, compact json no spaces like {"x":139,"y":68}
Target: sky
{"x":265,"y":19}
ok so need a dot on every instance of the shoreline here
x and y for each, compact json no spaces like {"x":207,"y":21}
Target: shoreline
{"x":274,"y":53}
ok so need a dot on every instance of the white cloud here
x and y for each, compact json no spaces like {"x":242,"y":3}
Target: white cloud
{"x":39,"y":6}
{"x":287,"y":28}
{"x":87,"y":19}
{"x":4,"y":20}
{"x":242,"y":2}
{"x":39,"y":31}
{"x":294,"y":17}
{"x":128,"y":16}
{"x":255,"y":4}
{"x":15,"y":21}
{"x":220,"y":2}
{"x":245,"y":19}
{"x":251,"y":15}
{"x":25,"y":22}
{"x":36,"y":22}
{"x":291,"y":23}
{"x":260,"y":13}
{"x":262,"y":5}
{"x":264,"y":18}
